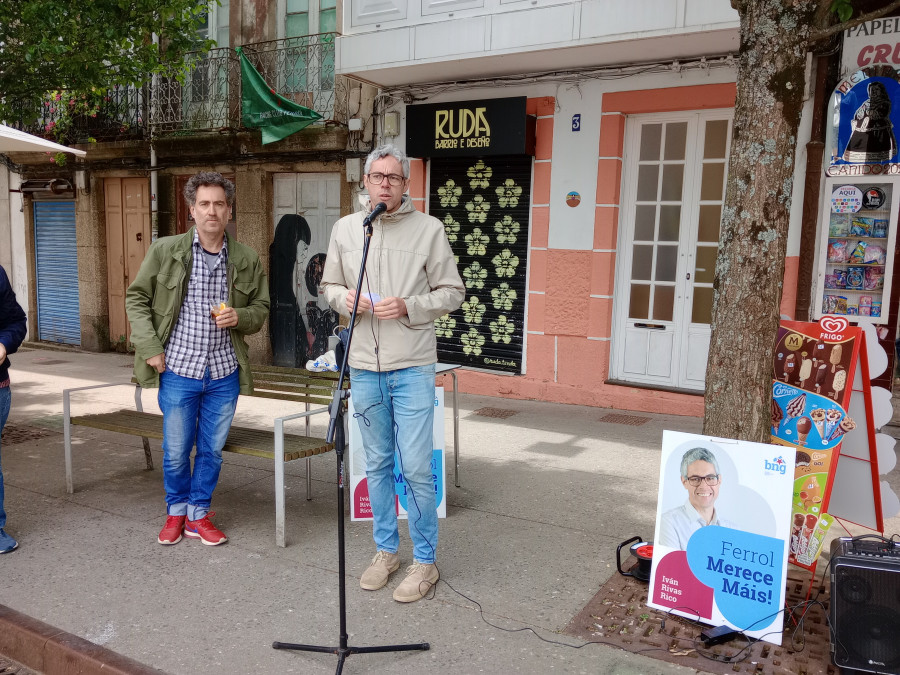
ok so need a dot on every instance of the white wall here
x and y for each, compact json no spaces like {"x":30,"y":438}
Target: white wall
{"x":575,"y":154}
{"x":12,"y":235}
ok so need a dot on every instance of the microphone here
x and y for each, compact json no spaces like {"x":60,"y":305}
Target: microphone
{"x":380,"y":208}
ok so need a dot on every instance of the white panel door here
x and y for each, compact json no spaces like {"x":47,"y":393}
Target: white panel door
{"x":316,"y":197}
{"x":672,"y":194}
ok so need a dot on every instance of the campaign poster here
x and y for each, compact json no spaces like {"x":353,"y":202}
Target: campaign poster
{"x":360,"y":509}
{"x":869,"y":113}
{"x":722,"y":527}
{"x":813,"y":372}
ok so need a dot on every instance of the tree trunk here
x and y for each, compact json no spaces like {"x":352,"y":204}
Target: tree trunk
{"x":754,"y":229}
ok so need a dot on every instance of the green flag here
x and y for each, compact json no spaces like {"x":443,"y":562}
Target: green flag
{"x":262,"y":108}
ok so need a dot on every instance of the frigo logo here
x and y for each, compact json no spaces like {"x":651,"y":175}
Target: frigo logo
{"x":461,"y":128}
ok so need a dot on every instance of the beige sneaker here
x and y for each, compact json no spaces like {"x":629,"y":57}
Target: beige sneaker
{"x":420,"y":578}
{"x":376,"y":575}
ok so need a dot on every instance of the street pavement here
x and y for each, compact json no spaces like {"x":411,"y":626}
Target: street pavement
{"x":547,"y":493}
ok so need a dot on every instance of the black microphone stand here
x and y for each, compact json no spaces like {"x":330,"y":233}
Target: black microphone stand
{"x":336,"y":435}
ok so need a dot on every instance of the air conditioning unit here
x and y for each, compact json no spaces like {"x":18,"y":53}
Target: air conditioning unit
{"x":57,"y":186}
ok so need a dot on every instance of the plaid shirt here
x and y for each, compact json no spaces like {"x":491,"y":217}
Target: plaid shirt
{"x":196,"y":342}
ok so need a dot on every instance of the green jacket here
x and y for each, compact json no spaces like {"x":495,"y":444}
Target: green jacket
{"x":154,"y":299}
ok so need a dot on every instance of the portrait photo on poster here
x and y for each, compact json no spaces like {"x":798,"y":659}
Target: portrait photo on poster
{"x":736,"y":505}
{"x":722,"y":529}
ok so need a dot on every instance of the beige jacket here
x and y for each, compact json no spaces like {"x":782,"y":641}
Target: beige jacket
{"x":409,"y":258}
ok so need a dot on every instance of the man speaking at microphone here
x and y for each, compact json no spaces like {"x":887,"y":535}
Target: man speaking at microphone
{"x":410,"y":280}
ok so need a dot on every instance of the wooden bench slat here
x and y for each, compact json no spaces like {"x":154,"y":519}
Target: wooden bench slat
{"x":241,"y":440}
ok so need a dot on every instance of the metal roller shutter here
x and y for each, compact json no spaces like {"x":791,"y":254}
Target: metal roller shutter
{"x":57,"y":272}
{"x":484,"y":204}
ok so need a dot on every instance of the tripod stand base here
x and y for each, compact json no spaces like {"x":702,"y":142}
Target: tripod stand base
{"x":343,"y":652}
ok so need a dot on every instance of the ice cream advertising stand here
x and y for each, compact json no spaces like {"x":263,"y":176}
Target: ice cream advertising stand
{"x":821,"y":401}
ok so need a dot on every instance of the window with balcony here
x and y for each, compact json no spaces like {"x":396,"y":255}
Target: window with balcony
{"x":206,"y":101}
{"x":310,"y":63}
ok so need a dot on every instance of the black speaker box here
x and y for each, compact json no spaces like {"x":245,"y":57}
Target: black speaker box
{"x":865,"y":605}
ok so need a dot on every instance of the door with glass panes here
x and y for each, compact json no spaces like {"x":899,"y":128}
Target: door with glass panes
{"x":306,"y":72}
{"x":205,"y":96}
{"x":675,"y":166}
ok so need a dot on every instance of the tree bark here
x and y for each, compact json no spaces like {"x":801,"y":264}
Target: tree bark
{"x":754,"y":229}
{"x":775,"y":37}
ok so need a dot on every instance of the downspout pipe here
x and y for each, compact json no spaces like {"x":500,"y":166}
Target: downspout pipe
{"x":154,"y":173}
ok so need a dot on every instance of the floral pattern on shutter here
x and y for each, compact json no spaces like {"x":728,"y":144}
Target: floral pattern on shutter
{"x":484,"y":205}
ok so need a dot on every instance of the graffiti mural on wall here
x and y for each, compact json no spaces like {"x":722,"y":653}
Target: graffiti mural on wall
{"x":300,"y":320}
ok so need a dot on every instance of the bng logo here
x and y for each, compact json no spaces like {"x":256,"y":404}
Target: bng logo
{"x":777,"y":465}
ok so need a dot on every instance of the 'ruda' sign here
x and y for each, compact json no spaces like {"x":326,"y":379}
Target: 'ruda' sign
{"x":496,"y":126}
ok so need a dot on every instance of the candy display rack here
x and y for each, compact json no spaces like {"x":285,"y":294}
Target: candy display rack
{"x":856,"y":248}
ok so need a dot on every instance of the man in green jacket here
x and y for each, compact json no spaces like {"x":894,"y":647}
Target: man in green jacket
{"x":194,"y":299}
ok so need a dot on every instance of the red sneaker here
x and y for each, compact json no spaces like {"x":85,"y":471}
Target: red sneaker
{"x":204,"y":530}
{"x":171,"y":532}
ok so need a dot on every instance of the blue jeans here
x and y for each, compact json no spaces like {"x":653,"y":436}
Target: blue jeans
{"x":5,"y":401}
{"x":395,"y":409}
{"x":194,"y":412}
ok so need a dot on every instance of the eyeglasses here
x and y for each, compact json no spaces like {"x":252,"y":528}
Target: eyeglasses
{"x":711,"y":479}
{"x":394,"y":179}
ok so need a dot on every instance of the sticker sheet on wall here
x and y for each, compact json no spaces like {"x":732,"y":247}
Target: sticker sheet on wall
{"x":846,"y":199}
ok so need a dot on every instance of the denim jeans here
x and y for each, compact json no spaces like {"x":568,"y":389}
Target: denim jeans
{"x":5,"y":401}
{"x":395,"y":409}
{"x":194,"y":412}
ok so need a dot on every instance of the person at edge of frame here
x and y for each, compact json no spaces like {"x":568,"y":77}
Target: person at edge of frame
{"x":12,"y":332}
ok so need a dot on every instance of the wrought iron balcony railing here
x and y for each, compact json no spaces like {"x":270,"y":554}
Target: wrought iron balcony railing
{"x":302,"y":70}
{"x":117,"y":114}
{"x":208,"y":99}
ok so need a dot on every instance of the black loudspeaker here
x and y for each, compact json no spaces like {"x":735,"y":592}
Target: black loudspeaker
{"x":865,"y":605}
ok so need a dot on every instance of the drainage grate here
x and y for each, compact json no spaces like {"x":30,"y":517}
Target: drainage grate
{"x":631,"y":420}
{"x":13,"y":434}
{"x":618,"y":615}
{"x":48,"y":362}
{"x":499,"y":413}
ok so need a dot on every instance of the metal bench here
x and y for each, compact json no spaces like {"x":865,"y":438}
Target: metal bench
{"x":286,"y":384}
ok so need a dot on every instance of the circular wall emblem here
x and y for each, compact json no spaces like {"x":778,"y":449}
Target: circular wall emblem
{"x":873,"y":198}
{"x":846,"y":199}
{"x":573,"y":199}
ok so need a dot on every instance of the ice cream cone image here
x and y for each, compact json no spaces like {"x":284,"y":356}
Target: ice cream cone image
{"x":839,"y":382}
{"x":803,"y":426}
{"x":818,"y":419}
{"x":847,"y":424}
{"x":835,"y":357}
{"x":795,"y":406}
{"x":832,"y":417}
{"x":777,"y":415}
